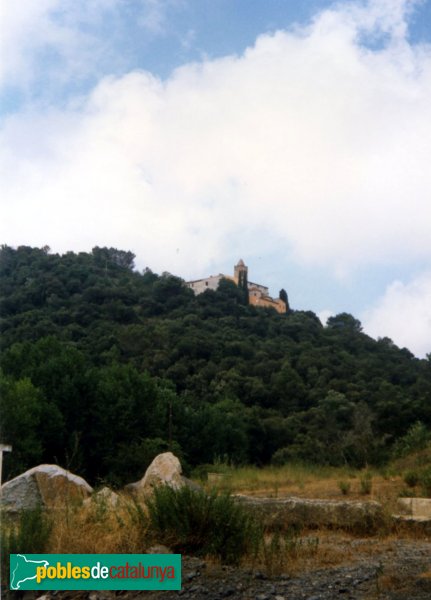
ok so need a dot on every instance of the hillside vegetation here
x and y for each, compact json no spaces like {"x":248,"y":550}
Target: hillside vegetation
{"x":103,"y":367}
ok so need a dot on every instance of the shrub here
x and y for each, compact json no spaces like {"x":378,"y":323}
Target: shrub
{"x":425,"y":482}
{"x":366,"y":483}
{"x":411,"y":478}
{"x":281,"y":457}
{"x":194,"y":522}
{"x":30,"y":535}
{"x":416,"y":438}
{"x":344,"y":487}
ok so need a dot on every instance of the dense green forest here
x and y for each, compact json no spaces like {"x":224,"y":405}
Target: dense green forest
{"x":102,"y":367}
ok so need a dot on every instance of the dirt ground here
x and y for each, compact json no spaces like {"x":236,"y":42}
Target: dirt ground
{"x":397,"y":567}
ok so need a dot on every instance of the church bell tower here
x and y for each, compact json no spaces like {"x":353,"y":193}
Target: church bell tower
{"x":240,"y":274}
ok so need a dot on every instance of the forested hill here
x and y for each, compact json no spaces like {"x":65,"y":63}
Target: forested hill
{"x":102,"y":367}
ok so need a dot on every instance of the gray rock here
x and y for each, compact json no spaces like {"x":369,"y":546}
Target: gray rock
{"x":228,"y":591}
{"x":105,"y":497}
{"x":191,"y":484}
{"x":164,"y":470}
{"x":46,"y":486}
{"x":132,"y":488}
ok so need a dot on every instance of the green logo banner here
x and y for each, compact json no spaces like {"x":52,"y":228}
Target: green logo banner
{"x":95,"y":571}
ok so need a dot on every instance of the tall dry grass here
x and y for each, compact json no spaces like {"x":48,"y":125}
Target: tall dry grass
{"x":311,"y":481}
{"x":275,"y":481}
{"x":96,"y":527}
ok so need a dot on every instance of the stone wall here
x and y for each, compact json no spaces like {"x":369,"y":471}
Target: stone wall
{"x":282,"y":513}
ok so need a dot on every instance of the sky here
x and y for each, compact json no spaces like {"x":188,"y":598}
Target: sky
{"x":293,"y":134}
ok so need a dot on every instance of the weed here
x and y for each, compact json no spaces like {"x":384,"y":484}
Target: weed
{"x":378,"y":575}
{"x":411,"y":478}
{"x":425,"y":482}
{"x":195,"y":522}
{"x":344,"y":487}
{"x":30,"y":535}
{"x":366,"y":483}
{"x":273,"y":551}
{"x":279,"y":550}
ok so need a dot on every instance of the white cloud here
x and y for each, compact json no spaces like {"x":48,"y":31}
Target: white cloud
{"x":58,"y":40}
{"x":308,"y":136}
{"x":154,"y":14}
{"x":22,"y":26}
{"x":46,"y":38}
{"x":404,"y":315}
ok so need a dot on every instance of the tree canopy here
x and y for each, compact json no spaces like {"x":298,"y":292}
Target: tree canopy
{"x":102,"y":367}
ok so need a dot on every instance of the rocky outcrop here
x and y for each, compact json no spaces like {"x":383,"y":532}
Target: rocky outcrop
{"x":46,"y":486}
{"x":132,"y":489}
{"x":164,"y":470}
{"x":285,"y":512}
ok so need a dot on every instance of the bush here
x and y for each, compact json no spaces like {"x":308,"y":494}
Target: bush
{"x":366,"y":483}
{"x":194,"y":522}
{"x":411,"y":478}
{"x":425,"y":482}
{"x":281,"y":457}
{"x":29,"y":536}
{"x":416,"y":438}
{"x":344,"y":487}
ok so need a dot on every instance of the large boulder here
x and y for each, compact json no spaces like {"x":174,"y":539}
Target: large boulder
{"x":164,"y":470}
{"x":46,"y":486}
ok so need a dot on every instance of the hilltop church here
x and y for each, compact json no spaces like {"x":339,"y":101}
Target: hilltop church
{"x":258,"y":295}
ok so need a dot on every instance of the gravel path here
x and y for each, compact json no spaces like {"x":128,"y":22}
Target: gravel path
{"x":394,"y":574}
